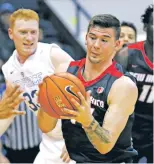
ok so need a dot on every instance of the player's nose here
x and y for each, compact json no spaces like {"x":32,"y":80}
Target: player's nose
{"x":29,"y":37}
{"x":97,"y":44}
{"x":126,"y":39}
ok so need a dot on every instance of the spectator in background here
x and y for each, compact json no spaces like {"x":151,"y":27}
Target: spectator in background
{"x":6,"y":44}
{"x":128,"y":33}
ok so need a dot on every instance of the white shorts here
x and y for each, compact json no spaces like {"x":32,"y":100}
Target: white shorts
{"x":50,"y":151}
{"x":40,"y":159}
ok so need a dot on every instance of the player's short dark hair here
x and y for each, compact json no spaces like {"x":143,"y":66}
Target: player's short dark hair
{"x":146,"y":16}
{"x":129,"y":24}
{"x":106,"y":21}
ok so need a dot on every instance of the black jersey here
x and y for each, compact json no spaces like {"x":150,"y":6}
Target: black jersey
{"x":142,"y":68}
{"x":77,"y":143}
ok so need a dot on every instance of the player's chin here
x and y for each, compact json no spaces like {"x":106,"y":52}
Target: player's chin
{"x":94,"y":60}
{"x":29,"y":52}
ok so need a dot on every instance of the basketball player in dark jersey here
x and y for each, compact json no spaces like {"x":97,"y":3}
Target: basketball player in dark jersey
{"x":138,"y":59}
{"x":99,"y":130}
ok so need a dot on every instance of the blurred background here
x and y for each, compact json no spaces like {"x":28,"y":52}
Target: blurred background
{"x":65,"y":21}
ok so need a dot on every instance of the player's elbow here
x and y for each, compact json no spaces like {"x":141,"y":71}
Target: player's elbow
{"x":104,"y":149}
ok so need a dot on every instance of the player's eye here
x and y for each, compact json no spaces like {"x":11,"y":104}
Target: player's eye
{"x":23,"y":32}
{"x":33,"y":32}
{"x":103,"y":40}
{"x":93,"y":38}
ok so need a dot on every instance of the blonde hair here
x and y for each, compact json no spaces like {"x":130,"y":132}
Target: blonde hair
{"x":26,"y":14}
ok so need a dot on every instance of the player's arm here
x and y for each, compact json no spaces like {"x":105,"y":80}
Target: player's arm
{"x":8,"y":105}
{"x":122,"y":57}
{"x":46,"y":123}
{"x":61,"y":61}
{"x":59,"y":57}
{"x":121,"y":100}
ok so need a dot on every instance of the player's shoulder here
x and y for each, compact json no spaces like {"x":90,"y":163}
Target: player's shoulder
{"x":125,"y":85}
{"x":8,"y":64}
{"x":127,"y":79}
{"x":136,"y":46}
{"x":45,"y":45}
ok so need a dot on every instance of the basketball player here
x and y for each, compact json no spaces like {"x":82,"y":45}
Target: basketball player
{"x":137,"y":58}
{"x":28,"y":65}
{"x":99,"y":130}
{"x":128,"y":33}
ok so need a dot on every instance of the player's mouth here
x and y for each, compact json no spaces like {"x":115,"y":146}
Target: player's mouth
{"x":95,"y":54}
{"x":28,"y":45}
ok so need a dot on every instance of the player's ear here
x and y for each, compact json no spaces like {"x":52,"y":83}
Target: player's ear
{"x":86,"y":40}
{"x":117,"y":45}
{"x":10,"y":33}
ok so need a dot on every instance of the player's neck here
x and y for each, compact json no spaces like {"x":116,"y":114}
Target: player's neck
{"x":21,"y":59}
{"x":92,"y":71}
{"x":149,"y":49}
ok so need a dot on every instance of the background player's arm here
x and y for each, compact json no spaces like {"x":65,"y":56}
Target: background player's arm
{"x":122,"y":57}
{"x":8,"y":105}
{"x":60,"y":57}
{"x":46,"y":123}
{"x":121,"y":101}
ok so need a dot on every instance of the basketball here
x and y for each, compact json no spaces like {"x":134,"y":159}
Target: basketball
{"x":56,"y":92}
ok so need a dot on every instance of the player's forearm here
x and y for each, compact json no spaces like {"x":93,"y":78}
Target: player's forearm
{"x":99,"y":137}
{"x":4,"y":124}
{"x":46,"y":123}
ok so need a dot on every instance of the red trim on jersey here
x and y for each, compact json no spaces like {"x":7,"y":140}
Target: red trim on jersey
{"x":115,"y":72}
{"x":76,"y":63}
{"x":110,"y":70}
{"x":140,"y":46}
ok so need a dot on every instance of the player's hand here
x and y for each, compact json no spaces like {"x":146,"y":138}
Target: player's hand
{"x":10,"y":101}
{"x":64,"y":155}
{"x":3,"y":159}
{"x":82,"y":113}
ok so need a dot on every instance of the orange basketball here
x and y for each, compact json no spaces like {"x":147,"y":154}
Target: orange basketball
{"x":56,"y":92}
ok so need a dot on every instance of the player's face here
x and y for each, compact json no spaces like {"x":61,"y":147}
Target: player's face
{"x":25,"y":34}
{"x":101,"y":44}
{"x":127,"y":35}
{"x":149,"y":29}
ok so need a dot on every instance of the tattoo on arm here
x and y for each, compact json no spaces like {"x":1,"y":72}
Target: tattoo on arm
{"x":96,"y":132}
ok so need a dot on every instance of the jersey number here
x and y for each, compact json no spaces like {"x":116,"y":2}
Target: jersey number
{"x":29,"y":98}
{"x":146,"y":94}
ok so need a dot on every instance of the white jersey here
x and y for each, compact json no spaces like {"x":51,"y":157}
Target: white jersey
{"x":29,"y":75}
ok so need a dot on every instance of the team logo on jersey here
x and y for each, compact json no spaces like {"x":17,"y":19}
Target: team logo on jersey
{"x":134,"y":66}
{"x":100,"y":90}
{"x":69,"y":90}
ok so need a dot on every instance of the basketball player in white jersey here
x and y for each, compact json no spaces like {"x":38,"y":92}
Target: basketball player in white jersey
{"x":28,"y":65}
